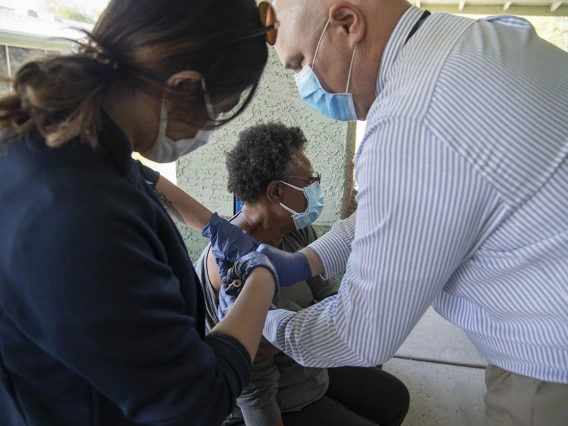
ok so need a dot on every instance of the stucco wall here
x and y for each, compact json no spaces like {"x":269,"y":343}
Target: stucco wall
{"x":330,"y":147}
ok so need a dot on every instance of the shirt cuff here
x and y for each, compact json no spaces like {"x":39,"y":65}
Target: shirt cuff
{"x":233,"y":360}
{"x":150,"y":175}
{"x":275,"y":326}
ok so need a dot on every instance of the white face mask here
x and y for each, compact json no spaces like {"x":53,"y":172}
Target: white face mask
{"x":165,"y":150}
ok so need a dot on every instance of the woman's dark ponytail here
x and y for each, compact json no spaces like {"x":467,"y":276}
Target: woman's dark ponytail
{"x":60,"y":97}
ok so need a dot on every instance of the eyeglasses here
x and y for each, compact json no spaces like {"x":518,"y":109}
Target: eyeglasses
{"x":268,"y":19}
{"x":315,"y":178}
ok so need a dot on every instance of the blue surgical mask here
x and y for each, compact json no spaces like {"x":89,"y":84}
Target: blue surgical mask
{"x":314,"y":195}
{"x":339,"y":106}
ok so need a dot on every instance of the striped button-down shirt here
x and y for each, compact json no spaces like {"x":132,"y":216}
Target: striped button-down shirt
{"x":463,"y":204}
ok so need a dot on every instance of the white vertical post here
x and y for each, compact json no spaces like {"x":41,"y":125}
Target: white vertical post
{"x":8,"y":60}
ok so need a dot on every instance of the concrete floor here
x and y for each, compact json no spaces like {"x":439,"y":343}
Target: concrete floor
{"x":444,"y":374}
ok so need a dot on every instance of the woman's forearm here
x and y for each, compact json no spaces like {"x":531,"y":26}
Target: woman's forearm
{"x":181,"y":206}
{"x":245,"y":320}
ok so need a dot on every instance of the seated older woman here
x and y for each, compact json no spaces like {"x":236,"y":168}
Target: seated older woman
{"x":270,"y":172}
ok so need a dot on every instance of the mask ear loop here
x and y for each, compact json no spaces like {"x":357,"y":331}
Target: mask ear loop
{"x":207,"y":99}
{"x":352,"y":56}
{"x":292,"y":186}
{"x":351,"y":68}
{"x":163,"y":118}
{"x":302,"y":190}
{"x":319,"y":43}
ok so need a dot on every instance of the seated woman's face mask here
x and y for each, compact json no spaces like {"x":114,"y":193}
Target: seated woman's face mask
{"x":315,"y":197}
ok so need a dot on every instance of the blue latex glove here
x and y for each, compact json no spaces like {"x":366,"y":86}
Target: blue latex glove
{"x":228,"y":242}
{"x":291,"y":267}
{"x":237,"y":277}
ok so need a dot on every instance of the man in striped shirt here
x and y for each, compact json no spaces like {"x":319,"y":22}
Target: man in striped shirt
{"x":463,"y":194}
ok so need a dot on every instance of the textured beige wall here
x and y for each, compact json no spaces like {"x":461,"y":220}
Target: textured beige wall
{"x":330,"y":147}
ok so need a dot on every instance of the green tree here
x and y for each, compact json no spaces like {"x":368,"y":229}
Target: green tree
{"x":67,"y":11}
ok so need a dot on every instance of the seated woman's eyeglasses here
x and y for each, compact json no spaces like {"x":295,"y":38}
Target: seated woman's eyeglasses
{"x":315,"y":178}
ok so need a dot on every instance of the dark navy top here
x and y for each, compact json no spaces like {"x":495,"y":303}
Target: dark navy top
{"x":101,"y":313}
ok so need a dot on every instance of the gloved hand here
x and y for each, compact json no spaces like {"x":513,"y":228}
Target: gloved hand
{"x":237,"y":277}
{"x":228,"y":242}
{"x":291,"y":267}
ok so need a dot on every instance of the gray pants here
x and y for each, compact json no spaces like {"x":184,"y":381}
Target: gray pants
{"x":515,"y":400}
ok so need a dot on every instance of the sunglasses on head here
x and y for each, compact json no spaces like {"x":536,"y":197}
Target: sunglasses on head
{"x":269,"y":21}
{"x":267,"y":15}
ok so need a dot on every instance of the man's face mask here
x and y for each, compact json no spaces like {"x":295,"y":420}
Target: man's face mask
{"x":314,"y":195}
{"x":339,"y":106}
{"x":165,"y":150}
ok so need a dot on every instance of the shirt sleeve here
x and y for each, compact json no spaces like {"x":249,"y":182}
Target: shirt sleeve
{"x":258,"y":400}
{"x":93,"y":294}
{"x":334,"y":248}
{"x":422,"y":210}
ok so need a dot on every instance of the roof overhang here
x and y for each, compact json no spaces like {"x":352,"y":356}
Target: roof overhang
{"x":490,"y":7}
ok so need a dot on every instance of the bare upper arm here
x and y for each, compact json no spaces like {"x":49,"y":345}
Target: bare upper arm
{"x":212,"y":268}
{"x":213,"y":272}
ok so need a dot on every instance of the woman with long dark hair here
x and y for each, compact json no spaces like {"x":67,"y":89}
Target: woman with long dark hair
{"x":101,"y":313}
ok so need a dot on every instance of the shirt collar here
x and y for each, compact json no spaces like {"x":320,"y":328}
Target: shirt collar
{"x":395,"y":44}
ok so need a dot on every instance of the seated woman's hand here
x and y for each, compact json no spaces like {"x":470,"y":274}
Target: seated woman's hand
{"x":228,"y":242}
{"x":237,"y":276}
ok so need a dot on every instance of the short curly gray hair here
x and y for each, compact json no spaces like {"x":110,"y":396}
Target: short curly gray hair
{"x":263,"y":153}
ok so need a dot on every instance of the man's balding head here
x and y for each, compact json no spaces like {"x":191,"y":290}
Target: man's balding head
{"x":366,"y":24}
{"x":301,"y":20}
